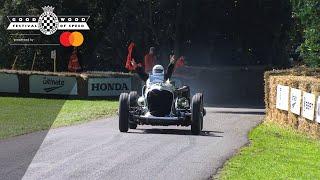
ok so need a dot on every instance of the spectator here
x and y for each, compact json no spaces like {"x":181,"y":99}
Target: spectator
{"x":150,"y":60}
{"x":74,"y":65}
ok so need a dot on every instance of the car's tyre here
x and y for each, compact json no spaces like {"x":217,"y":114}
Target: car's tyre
{"x":124,"y":112}
{"x":133,"y":102}
{"x":202,"y":110}
{"x":133,"y":126}
{"x":133,"y":98}
{"x":196,"y":114}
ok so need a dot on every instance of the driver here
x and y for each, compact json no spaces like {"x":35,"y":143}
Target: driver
{"x":158,"y":73}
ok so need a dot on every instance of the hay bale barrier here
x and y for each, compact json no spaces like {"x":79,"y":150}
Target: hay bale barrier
{"x":305,"y":79}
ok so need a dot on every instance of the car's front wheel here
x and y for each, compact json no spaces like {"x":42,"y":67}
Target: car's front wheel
{"x":133,"y":126}
{"x":133,"y":98}
{"x":196,"y":114}
{"x":133,"y":102}
{"x":124,"y":112}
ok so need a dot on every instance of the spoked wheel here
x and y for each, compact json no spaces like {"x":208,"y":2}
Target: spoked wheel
{"x":124,"y":112}
{"x":133,"y":102}
{"x":197,"y":114}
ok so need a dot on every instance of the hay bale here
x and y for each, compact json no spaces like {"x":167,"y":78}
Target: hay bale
{"x":305,"y":79}
{"x":314,"y":130}
{"x":293,"y":120}
{"x":303,"y":126}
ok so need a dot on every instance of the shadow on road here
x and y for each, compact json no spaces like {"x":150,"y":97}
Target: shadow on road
{"x":236,"y":105}
{"x":177,"y":132}
{"x":17,"y":150}
{"x":240,"y":112}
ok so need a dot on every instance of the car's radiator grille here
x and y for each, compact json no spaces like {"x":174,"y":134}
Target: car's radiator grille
{"x":159,"y":102}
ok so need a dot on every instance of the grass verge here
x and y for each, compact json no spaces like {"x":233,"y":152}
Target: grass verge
{"x":24,"y":115}
{"x":275,"y":153}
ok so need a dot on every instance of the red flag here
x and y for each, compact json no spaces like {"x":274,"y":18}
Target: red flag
{"x":180,"y":62}
{"x":129,"y":64}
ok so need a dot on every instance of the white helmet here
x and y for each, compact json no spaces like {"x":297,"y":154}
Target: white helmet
{"x":158,"y":70}
{"x":157,"y":74}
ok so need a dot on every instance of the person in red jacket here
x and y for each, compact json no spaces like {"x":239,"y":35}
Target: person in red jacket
{"x":74,"y":65}
{"x":150,"y":60}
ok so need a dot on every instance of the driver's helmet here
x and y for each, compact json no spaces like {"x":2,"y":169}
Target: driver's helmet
{"x":157,"y":70}
{"x":157,"y":74}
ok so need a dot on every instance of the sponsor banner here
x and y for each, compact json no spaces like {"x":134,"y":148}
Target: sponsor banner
{"x":318,"y":110}
{"x":308,"y":105}
{"x":108,"y":86}
{"x":9,"y":83}
{"x":282,"y":97}
{"x":41,"y":84}
{"x":295,"y":101}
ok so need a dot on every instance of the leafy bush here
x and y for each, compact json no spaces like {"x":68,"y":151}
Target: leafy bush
{"x":308,"y":14}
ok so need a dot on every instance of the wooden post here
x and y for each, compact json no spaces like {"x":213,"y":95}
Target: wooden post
{"x":14,"y":63}
{"x":33,"y":61}
{"x":55,"y":64}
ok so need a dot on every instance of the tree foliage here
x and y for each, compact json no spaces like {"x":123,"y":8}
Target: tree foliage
{"x":307,"y":14}
{"x":112,"y":25}
{"x":221,"y":32}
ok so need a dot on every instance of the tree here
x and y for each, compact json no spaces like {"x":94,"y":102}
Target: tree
{"x":307,"y":15}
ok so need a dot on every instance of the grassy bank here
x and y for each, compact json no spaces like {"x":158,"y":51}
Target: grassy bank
{"x":24,"y":115}
{"x":275,"y":153}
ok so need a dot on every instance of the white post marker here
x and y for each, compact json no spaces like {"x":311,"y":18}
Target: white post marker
{"x":295,"y":101}
{"x":308,"y":105}
{"x":282,"y":97}
{"x":54,"y":57}
{"x":318,"y":110}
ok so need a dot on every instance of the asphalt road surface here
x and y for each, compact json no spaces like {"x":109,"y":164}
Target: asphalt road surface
{"x":97,"y":150}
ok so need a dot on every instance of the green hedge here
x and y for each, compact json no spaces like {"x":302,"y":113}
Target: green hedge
{"x":307,"y":14}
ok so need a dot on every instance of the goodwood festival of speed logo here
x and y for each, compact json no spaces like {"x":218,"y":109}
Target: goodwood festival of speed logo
{"x":48,"y":22}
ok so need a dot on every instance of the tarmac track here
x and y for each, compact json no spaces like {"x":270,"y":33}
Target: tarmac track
{"x":97,"y":150}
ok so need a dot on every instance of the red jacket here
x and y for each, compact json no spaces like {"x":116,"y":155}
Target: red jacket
{"x":149,"y":62}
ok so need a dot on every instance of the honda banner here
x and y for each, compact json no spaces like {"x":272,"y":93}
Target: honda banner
{"x":108,"y":86}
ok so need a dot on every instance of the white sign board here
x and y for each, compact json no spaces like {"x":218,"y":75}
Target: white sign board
{"x":318,"y":110}
{"x":9,"y":83}
{"x":308,"y":105}
{"x":53,"y":54}
{"x":108,"y":86}
{"x":295,"y":101}
{"x":41,"y":84}
{"x":282,"y":97}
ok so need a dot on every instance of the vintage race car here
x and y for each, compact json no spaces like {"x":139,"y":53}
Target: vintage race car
{"x":161,"y":104}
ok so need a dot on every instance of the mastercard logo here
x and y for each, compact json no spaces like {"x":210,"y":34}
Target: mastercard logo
{"x":71,"y":39}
